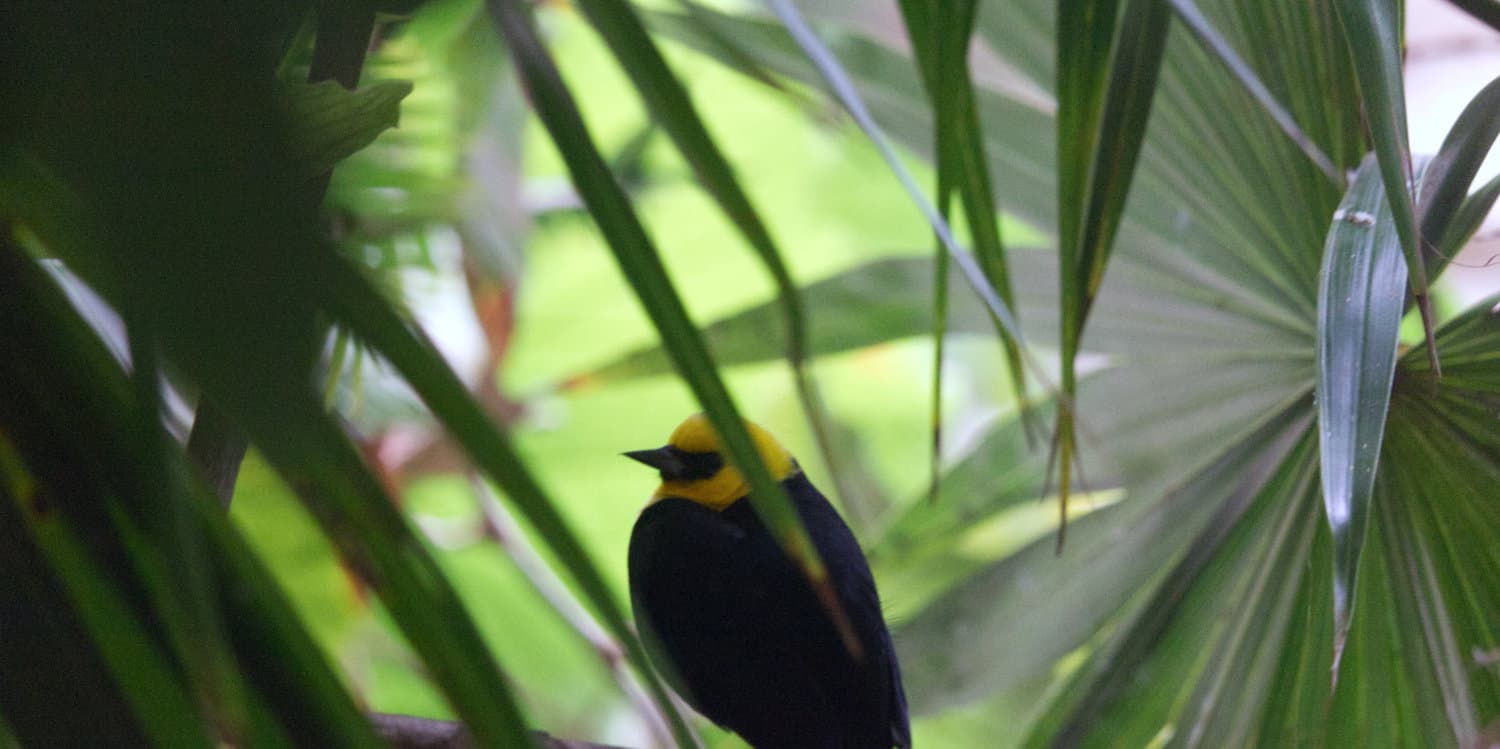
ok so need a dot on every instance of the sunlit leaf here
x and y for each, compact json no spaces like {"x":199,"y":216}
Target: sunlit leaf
{"x":881,"y":301}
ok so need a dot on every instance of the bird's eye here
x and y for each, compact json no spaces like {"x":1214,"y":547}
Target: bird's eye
{"x":698,"y":466}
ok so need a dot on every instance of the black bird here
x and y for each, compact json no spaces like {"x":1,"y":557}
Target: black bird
{"x":733,"y":624}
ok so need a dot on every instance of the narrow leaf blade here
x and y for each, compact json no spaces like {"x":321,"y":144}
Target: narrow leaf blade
{"x":673,"y":109}
{"x":838,"y":81}
{"x":642,"y":266}
{"x":1467,"y":220}
{"x":1446,"y":180}
{"x":1106,"y":78}
{"x":1372,"y":29}
{"x":1360,"y":304}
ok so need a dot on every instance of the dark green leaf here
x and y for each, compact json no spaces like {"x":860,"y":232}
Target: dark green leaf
{"x":86,"y":532}
{"x":200,"y":226}
{"x":1467,"y":220}
{"x":1106,"y":78}
{"x":672,"y":108}
{"x":1487,"y":11}
{"x":1204,"y":31}
{"x":78,"y":658}
{"x":316,"y":458}
{"x":1446,"y":180}
{"x":1360,"y":304}
{"x":1372,"y":29}
{"x":406,"y":347}
{"x":641,"y":265}
{"x":62,"y":658}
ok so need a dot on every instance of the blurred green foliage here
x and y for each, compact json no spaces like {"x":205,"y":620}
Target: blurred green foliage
{"x":574,"y":311}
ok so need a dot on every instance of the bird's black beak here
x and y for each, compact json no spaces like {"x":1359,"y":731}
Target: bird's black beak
{"x":664,"y":459}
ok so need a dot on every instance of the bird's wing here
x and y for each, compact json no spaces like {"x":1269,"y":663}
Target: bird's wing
{"x":900,"y":725}
{"x":857,"y":592}
{"x":742,"y":634}
{"x":688,"y":584}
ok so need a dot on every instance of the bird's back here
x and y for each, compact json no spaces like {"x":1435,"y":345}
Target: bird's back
{"x":753,"y":648}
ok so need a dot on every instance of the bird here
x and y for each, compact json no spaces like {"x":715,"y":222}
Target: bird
{"x":732,"y":623}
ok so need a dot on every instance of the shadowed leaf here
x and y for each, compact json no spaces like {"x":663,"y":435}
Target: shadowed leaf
{"x":327,"y":122}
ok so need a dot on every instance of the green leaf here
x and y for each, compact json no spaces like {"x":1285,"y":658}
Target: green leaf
{"x":671,"y":107}
{"x":1106,"y":78}
{"x":1446,"y":180}
{"x":1188,"y":662}
{"x":95,"y":478}
{"x":890,"y":299}
{"x":1209,"y":319}
{"x":1360,"y":304}
{"x":642,"y":266}
{"x":1018,"y":137}
{"x":1467,"y":220}
{"x":315,"y":457}
{"x":358,"y":304}
{"x":1203,"y":30}
{"x":327,"y":123}
{"x":1372,"y":29}
{"x":1475,"y":336}
{"x":941,"y":35}
{"x":833,"y":75}
{"x":160,"y":536}
{"x":1012,"y":620}
{"x":85,"y":661}
{"x":197,"y":220}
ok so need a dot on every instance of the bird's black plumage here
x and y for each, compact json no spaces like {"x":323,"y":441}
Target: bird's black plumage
{"x":750,"y":645}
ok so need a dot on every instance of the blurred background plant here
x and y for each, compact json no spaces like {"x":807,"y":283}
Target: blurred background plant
{"x":1285,"y":527}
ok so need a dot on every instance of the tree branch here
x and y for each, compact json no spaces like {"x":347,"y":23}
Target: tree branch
{"x":410,"y":732}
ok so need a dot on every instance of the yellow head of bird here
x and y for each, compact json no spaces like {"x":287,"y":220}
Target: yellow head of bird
{"x":693,"y":466}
